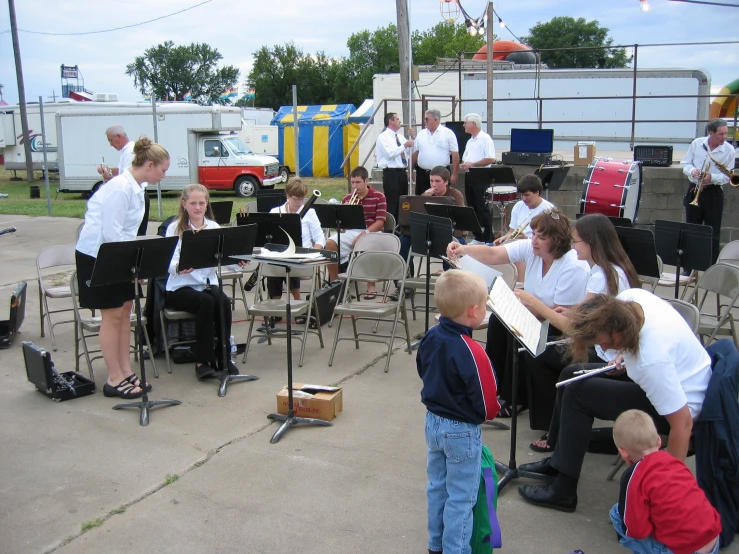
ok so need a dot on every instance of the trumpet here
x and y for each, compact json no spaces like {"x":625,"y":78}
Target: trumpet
{"x":354,"y":199}
{"x":307,"y":206}
{"x":701,"y":175}
{"x":732,"y":174}
{"x":517,"y":232}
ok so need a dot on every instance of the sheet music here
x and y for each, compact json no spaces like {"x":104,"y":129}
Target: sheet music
{"x":503,"y":302}
{"x":289,"y":253}
{"x":485,"y":271}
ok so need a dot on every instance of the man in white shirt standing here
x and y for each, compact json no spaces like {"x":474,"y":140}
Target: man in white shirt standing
{"x":434,"y":145}
{"x":390,"y":149}
{"x":711,"y":200}
{"x":479,"y":152}
{"x":119,"y":140}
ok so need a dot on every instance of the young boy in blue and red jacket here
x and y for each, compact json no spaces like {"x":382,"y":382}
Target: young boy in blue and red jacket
{"x":460,"y":393}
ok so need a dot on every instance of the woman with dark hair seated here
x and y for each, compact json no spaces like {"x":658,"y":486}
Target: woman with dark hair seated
{"x":553,"y":275}
{"x":595,"y":240}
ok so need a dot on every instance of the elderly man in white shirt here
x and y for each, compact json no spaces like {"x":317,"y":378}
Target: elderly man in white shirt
{"x":435,"y":144}
{"x":391,"y":149}
{"x":119,"y":140}
{"x":703,"y":153}
{"x":479,"y":152}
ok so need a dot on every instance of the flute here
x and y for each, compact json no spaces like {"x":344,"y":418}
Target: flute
{"x":585,"y":373}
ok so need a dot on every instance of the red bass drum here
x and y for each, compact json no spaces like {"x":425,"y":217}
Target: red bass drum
{"x":612,"y":189}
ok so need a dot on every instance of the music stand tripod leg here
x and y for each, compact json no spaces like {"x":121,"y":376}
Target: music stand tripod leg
{"x":290,"y":419}
{"x":511,"y":471}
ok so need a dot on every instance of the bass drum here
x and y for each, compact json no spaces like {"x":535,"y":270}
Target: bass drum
{"x":612,"y":189}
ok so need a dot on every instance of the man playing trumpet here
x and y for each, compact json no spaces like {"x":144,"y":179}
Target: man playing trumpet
{"x":375,"y":211}
{"x":705,"y":152}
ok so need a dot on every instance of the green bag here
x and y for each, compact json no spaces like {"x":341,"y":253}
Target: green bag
{"x":485,"y":527}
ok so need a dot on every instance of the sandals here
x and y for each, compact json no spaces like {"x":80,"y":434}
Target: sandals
{"x":505,"y":410}
{"x":369,"y":295}
{"x":541,"y":445}
{"x":122,"y":390}
{"x":136,"y":382}
{"x":300,"y":320}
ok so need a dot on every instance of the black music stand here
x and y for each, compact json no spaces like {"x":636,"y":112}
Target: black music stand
{"x":269,"y":198}
{"x":463,"y":218}
{"x":552,"y":177}
{"x":271,"y":228}
{"x":213,"y":248}
{"x":430,"y":236}
{"x":222,"y":211}
{"x":640,"y":248}
{"x":340,"y":216}
{"x":129,"y":261}
{"x":291,"y":419}
{"x":684,"y":245}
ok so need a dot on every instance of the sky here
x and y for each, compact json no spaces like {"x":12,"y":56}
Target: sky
{"x":237,"y":28}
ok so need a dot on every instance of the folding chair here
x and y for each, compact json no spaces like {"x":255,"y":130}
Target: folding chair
{"x":53,"y":257}
{"x":89,"y":326}
{"x":722,"y":280}
{"x":166,"y":315}
{"x":380,"y":266}
{"x":730,"y":253}
{"x":374,"y":242}
{"x":267,"y":307}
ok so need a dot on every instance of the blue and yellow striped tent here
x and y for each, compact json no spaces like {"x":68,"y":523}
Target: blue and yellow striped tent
{"x":320,"y":138}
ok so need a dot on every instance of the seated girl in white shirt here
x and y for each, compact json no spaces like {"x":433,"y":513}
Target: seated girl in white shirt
{"x":196,"y":290}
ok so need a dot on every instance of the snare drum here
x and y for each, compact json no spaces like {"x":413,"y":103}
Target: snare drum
{"x":612,"y":189}
{"x":501,"y":194}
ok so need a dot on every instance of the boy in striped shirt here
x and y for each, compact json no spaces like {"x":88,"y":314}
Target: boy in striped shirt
{"x":460,"y":393}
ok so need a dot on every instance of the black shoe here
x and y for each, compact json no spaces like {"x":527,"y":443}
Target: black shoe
{"x":204,"y":371}
{"x":543,"y":467}
{"x":544,"y":496}
{"x":409,"y":292}
{"x":394,"y":295}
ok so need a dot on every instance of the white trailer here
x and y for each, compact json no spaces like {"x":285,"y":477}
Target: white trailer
{"x":524,"y":96}
{"x":201,"y":141}
{"x":11,"y":131}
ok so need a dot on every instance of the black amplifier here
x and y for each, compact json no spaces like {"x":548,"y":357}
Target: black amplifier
{"x":526,"y":158}
{"x":654,"y":156}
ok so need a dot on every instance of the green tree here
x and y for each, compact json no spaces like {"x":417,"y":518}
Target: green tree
{"x":170,"y":72}
{"x":369,"y":53}
{"x":567,"y":32}
{"x":444,"y":40}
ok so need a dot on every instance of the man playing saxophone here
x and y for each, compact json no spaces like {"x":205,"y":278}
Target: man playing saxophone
{"x":700,"y":167}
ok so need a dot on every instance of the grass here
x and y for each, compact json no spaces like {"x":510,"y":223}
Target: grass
{"x":171,"y":478}
{"x":118,"y":511}
{"x":91,"y":524}
{"x":74,"y":205}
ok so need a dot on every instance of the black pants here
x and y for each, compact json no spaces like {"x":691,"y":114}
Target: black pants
{"x":423,"y":180}
{"x":579,"y":403}
{"x":144,"y":222}
{"x":274,"y":285}
{"x":395,"y":184}
{"x":474,"y":194}
{"x":708,"y":212}
{"x":207,"y":307}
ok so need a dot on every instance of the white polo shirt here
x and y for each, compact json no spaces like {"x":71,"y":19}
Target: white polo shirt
{"x":435,"y":148}
{"x":521,"y":212}
{"x":113,"y":214}
{"x":671,"y":366}
{"x":563,"y":285}
{"x":478,"y":148}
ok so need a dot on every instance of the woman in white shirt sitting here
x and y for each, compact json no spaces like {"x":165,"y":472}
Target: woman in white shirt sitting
{"x":553,"y":275}
{"x":311,"y":232}
{"x":196,"y":290}
{"x":596,"y":242}
{"x":114,"y":214}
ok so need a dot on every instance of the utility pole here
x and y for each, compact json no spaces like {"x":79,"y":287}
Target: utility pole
{"x":491,"y":38}
{"x":21,"y":90}
{"x":404,"y":56}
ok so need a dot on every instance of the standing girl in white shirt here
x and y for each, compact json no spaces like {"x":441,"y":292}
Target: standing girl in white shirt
{"x":113,"y":214}
{"x":196,"y":290}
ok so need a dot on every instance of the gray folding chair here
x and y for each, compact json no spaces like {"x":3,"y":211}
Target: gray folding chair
{"x":373,"y":242}
{"x":380,"y":266}
{"x":166,"y":315}
{"x":61,"y":256}
{"x":730,"y":253}
{"x":722,"y":280}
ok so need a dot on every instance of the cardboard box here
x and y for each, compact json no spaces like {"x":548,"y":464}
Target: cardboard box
{"x":584,"y":153}
{"x":314,"y":401}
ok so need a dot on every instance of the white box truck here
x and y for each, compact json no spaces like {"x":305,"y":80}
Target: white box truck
{"x":202,"y":142}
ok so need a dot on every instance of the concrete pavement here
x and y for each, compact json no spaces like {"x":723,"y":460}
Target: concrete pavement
{"x":203,"y":476}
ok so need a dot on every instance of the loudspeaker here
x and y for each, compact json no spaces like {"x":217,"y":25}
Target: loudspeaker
{"x":462,"y":137}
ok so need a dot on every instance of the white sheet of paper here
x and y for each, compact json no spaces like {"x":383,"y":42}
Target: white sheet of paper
{"x":485,"y":271}
{"x":289,"y":253}
{"x":503,"y":302}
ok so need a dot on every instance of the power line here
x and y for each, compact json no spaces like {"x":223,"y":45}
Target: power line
{"x":506,"y":26}
{"x":114,"y":28}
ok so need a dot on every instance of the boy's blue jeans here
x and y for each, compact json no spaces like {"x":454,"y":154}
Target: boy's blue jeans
{"x":453,"y":469}
{"x":650,"y":545}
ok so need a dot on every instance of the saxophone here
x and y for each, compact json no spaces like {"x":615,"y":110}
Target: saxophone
{"x":732,"y":174}
{"x":517,"y":231}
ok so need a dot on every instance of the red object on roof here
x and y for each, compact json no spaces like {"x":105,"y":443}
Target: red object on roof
{"x":81,"y":96}
{"x":501,"y":50}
